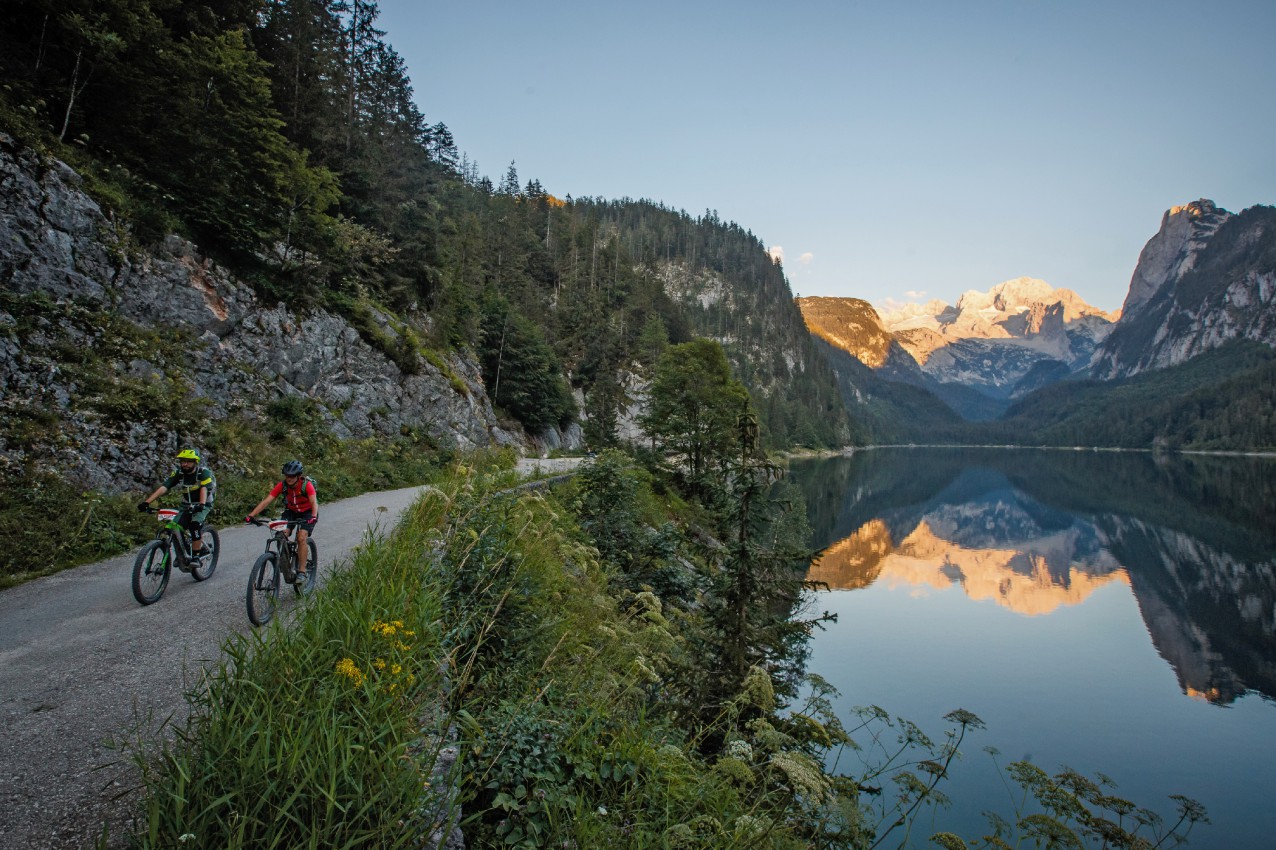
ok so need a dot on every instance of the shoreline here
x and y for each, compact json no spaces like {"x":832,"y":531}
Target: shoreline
{"x":850,"y":450}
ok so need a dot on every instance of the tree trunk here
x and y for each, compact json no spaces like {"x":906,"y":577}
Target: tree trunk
{"x":70,"y":101}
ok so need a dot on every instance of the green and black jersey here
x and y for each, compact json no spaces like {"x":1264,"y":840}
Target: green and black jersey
{"x":190,"y":482}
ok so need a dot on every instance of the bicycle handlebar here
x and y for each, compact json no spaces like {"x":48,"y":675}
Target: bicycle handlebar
{"x":260,"y":521}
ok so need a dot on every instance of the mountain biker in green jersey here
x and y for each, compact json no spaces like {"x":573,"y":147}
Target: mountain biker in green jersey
{"x":198,"y":486}
{"x":301,"y":506}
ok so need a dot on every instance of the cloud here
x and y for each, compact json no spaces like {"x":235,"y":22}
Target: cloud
{"x":915,"y":294}
{"x":776,"y":252}
{"x":806,"y":258}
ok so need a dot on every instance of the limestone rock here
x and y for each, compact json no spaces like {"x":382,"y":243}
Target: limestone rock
{"x":238,"y":353}
{"x":1207,"y":277}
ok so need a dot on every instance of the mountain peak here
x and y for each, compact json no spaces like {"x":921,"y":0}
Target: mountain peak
{"x":985,"y":314}
{"x":1173,"y":251}
{"x":1195,"y":209}
{"x":850,"y":324}
{"x":1205,"y":278}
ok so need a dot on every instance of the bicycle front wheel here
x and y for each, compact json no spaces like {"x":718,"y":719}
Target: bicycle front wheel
{"x":312,"y":569}
{"x":212,"y":546}
{"x":263,"y":589}
{"x":151,"y":571}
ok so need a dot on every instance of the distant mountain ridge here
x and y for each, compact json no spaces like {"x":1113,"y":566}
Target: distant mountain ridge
{"x":1024,"y":312}
{"x":989,"y":348}
{"x":1186,"y":363}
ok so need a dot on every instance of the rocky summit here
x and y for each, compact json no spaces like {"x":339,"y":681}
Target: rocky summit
{"x":1207,"y":277}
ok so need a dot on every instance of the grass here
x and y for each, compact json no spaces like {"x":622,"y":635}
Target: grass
{"x":316,"y":732}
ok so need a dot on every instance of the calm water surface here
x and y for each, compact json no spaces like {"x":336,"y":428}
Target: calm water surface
{"x":1108,"y":612}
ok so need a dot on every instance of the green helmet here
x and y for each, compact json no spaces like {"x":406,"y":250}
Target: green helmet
{"x":188,"y":454}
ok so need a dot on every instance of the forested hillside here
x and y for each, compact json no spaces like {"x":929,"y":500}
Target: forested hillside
{"x":1224,"y":399}
{"x":283,"y":138}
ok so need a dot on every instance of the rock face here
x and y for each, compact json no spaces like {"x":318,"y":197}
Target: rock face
{"x":850,"y":324}
{"x":1174,"y":249}
{"x":1002,"y":343}
{"x":237,"y":353}
{"x":1206,"y":277}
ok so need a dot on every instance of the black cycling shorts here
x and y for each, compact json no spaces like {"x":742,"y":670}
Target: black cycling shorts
{"x":192,"y":517}
{"x":300,"y":516}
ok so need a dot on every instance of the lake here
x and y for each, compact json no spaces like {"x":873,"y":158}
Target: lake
{"x":1111,"y":612}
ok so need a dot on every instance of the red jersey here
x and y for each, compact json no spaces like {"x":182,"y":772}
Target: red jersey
{"x":300,"y":497}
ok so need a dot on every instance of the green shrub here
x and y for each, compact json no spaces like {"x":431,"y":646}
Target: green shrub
{"x":46,"y":524}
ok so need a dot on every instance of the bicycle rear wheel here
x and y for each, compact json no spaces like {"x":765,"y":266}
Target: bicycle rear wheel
{"x":263,"y":589}
{"x":210,"y":553}
{"x":312,"y":569}
{"x":151,"y":571}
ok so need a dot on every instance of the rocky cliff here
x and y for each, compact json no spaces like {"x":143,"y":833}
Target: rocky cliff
{"x":1205,"y":278}
{"x":89,"y":321}
{"x":850,"y":324}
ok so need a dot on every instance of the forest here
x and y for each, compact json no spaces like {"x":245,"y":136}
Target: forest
{"x":282,"y":136}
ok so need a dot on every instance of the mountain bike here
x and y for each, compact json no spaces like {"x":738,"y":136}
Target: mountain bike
{"x":172,"y":546}
{"x":278,"y":562}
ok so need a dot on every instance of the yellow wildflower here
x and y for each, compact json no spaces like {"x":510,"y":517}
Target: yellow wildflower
{"x":346,"y":667}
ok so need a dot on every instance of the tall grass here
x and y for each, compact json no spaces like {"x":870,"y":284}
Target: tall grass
{"x":319,"y":731}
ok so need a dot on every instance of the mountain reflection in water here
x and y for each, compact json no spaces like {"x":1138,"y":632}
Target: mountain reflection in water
{"x":1037,"y":530}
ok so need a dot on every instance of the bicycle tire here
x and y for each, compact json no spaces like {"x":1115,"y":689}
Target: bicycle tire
{"x":151,"y":570}
{"x":312,"y":569}
{"x":213,"y":544}
{"x":263,"y":589}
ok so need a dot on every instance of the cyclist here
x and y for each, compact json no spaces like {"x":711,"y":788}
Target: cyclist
{"x":199,"y":487}
{"x":301,"y":505}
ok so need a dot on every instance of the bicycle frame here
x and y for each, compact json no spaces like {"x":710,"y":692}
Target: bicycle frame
{"x":173,"y":530}
{"x":283,"y":545}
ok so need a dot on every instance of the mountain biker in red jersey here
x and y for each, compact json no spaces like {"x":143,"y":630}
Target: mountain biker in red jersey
{"x":199,"y":487}
{"x":301,"y":505}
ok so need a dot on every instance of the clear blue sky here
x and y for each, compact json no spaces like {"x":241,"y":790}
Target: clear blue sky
{"x":894,"y":150}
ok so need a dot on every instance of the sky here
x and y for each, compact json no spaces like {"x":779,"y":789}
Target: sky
{"x":891,"y":151}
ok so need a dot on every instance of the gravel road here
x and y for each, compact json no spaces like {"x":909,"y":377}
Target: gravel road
{"x":82,"y":662}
